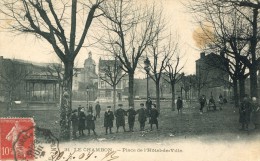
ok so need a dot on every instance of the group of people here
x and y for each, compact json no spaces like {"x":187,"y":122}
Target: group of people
{"x":212,"y":103}
{"x":249,"y":111}
{"x":80,"y":121}
{"x":143,"y":113}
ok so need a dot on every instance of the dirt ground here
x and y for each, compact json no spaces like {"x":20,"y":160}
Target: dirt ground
{"x":211,"y":125}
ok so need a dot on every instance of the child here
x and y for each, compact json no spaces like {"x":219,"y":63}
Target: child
{"x":74,"y":122}
{"x":91,"y":122}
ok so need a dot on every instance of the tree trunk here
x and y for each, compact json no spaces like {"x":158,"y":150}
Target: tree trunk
{"x":158,"y":95}
{"x":65,"y":104}
{"x":241,"y":88}
{"x":114,"y":97}
{"x":236,"y":98}
{"x":253,"y":45}
{"x":131,"y":89}
{"x":253,"y":81}
{"x":173,"y":96}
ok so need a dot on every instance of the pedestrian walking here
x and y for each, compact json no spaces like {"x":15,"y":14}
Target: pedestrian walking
{"x":202,"y":101}
{"x":90,"y":119}
{"x":153,"y":117}
{"x":98,"y":109}
{"x":82,"y":119}
{"x":131,"y":118}
{"x":142,"y":115}
{"x":245,"y":112}
{"x":255,"y":118}
{"x":148,"y":105}
{"x":120,"y":117}
{"x":74,"y":123}
{"x":179,"y":105}
{"x":108,"y":119}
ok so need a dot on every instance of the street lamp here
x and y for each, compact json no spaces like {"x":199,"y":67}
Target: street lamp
{"x":87,"y":89}
{"x":147,"y":69}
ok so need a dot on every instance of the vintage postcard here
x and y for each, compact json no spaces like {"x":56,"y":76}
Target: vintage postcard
{"x":126,"y":80}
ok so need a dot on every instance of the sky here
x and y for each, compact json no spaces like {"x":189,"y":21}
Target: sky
{"x":28,"y":47}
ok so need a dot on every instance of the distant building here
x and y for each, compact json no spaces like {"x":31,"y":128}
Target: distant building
{"x":212,"y":79}
{"x":105,"y":90}
{"x":85,"y":81}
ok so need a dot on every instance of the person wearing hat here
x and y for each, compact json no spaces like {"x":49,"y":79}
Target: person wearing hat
{"x":142,"y":114}
{"x":98,"y":109}
{"x":148,"y":105}
{"x":153,"y":117}
{"x":74,"y":123}
{"x":120,"y":117}
{"x":179,"y":105}
{"x":131,"y":118}
{"x":108,"y":119}
{"x":255,"y":113}
{"x":90,"y":119}
{"x":82,"y":119}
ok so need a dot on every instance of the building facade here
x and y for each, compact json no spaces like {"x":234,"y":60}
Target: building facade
{"x":85,"y":81}
{"x":211,"y":78}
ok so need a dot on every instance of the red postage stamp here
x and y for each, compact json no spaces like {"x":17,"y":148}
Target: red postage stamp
{"x":17,"y":139}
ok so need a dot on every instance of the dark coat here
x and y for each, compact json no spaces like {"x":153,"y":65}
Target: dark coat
{"x":245,"y":111}
{"x":202,"y":101}
{"x":255,"y":116}
{"x":142,"y":114}
{"x":154,"y":116}
{"x":108,"y":119}
{"x":97,"y":108}
{"x":82,"y":119}
{"x":148,"y":105}
{"x":131,"y":115}
{"x":179,"y":104}
{"x":74,"y":121}
{"x":90,"y":119}
{"x":90,"y":108}
{"x":120,"y":117}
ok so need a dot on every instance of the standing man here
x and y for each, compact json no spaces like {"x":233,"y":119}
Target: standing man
{"x":108,"y":119}
{"x":255,"y":113}
{"x":148,"y":105}
{"x":221,"y":102}
{"x":179,"y":105}
{"x":142,"y":114}
{"x":98,"y":109}
{"x":245,"y":112}
{"x":120,"y":117}
{"x":75,"y":124}
{"x":90,"y":108}
{"x":202,"y":103}
{"x":82,"y":119}
{"x":90,"y":119}
{"x":154,"y":116}
{"x":131,"y":118}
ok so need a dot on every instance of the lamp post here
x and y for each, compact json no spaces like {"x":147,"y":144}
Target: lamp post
{"x":87,"y":89}
{"x":147,"y":69}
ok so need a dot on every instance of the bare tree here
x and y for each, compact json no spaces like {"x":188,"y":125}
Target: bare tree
{"x":111,"y":72}
{"x":130,"y":30}
{"x":161,"y":51}
{"x":12,"y":77}
{"x":57,"y":25}
{"x":229,"y":29}
{"x":173,"y":76}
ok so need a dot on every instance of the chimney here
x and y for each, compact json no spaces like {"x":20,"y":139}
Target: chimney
{"x":202,"y":55}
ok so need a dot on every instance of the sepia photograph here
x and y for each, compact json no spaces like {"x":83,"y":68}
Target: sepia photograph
{"x":127,"y":80}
